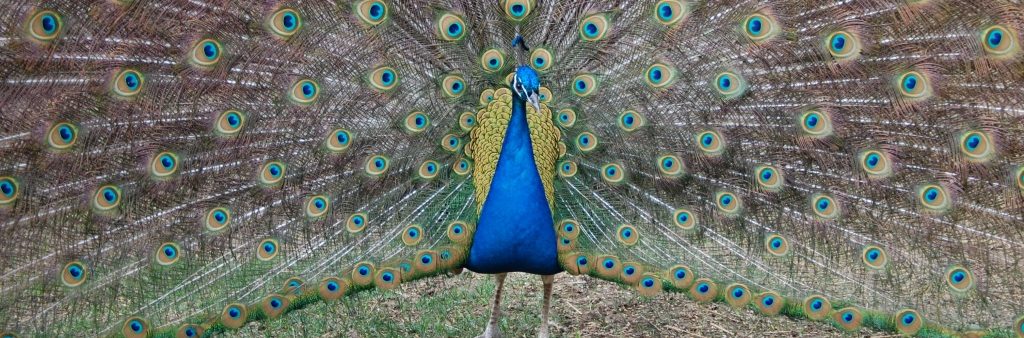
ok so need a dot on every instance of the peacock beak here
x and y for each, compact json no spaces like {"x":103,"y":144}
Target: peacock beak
{"x":534,"y":101}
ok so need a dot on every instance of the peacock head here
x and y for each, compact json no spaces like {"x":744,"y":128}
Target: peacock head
{"x":526,"y":85}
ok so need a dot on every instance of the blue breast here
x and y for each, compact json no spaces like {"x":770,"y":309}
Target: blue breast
{"x":515,"y":231}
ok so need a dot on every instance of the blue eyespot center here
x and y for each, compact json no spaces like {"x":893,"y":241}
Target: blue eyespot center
{"x":169,"y":251}
{"x":275,"y":303}
{"x":680,"y":274}
{"x":816,"y":304}
{"x":590,"y":29}
{"x":518,"y":9}
{"x":768,"y":301}
{"x":910,"y":82}
{"x":873,"y":160}
{"x":725,"y":82}
{"x":737,"y":293}
{"x":908,"y":319}
{"x":131,"y":81}
{"x":109,"y":195}
{"x":7,"y":188}
{"x":995,"y":37}
{"x":726,"y":200}
{"x":454,"y":29}
{"x":387,"y":277}
{"x":707,"y":140}
{"x":268,"y":247}
{"x":457,"y":230}
{"x":308,"y":90}
{"x":332,"y":286}
{"x":425,"y":259}
{"x":610,"y":171}
{"x":665,"y":11}
{"x":234,"y":312}
{"x":379,"y":163}
{"x":959,"y":276}
{"x":136,"y":326}
{"x":167,"y":161}
{"x":376,"y":11}
{"x":754,"y":26}
{"x":288,"y":20}
{"x":190,"y":332}
{"x":812,"y":120}
{"x":75,"y":271}
{"x":539,"y":62}
{"x":608,"y":264}
{"x":656,"y":74}
{"x":648,"y":282}
{"x":342,"y":137}
{"x":838,"y":42}
{"x":873,"y":254}
{"x":66,"y":133}
{"x":823,"y":204}
{"x":776,"y":243}
{"x":766,"y":174}
{"x":931,"y":194}
{"x":847,"y":317}
{"x":357,"y":220}
{"x":210,"y":50}
{"x":364,"y":270}
{"x":219,"y":216}
{"x":683,"y":217}
{"x":49,"y":23}
{"x":234,"y":120}
{"x":703,"y":288}
{"x":973,"y":141}
{"x":275,"y":170}
{"x":581,"y":261}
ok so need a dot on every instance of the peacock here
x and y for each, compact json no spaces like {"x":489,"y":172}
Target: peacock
{"x":184,"y":167}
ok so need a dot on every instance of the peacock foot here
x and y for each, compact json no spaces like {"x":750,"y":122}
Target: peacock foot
{"x":491,"y":332}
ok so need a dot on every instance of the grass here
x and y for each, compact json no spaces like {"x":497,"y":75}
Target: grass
{"x":457,"y":306}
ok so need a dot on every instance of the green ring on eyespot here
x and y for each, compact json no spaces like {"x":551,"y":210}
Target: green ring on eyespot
{"x":613,"y":173}
{"x":630,"y":120}
{"x":729,"y":85}
{"x":594,"y":27}
{"x":874,"y":257}
{"x":659,"y":75}
{"x":371,"y":12}
{"x":875,"y":163}
{"x":541,"y":59}
{"x":684,"y":219}
{"x":567,"y":169}
{"x":977,"y":146}
{"x":107,"y":197}
{"x":758,"y":27}
{"x":933,"y":198}
{"x":45,"y":25}
{"x":377,"y":165}
{"x":913,"y":85}
{"x":127,"y":83}
{"x":285,"y":23}
{"x":670,"y":12}
{"x":62,"y":136}
{"x":164,"y":164}
{"x":10,"y":190}
{"x":999,"y":41}
{"x":710,"y":143}
{"x":451,"y":27}
{"x":769,"y":178}
{"x":670,"y":165}
{"x":776,"y":245}
{"x":586,"y":141}
{"x":272,"y":173}
{"x":728,"y":203}
{"x":317,"y":206}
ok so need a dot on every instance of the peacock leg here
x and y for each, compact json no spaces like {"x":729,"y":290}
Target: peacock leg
{"x":549,"y":281}
{"x":492,"y":330}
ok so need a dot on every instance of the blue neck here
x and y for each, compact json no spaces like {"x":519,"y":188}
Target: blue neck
{"x":516,"y":230}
